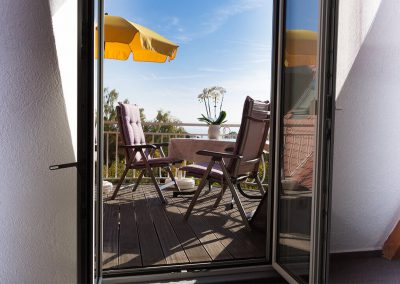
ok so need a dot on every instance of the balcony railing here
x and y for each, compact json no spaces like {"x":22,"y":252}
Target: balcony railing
{"x":298,"y":141}
{"x":113,"y":156}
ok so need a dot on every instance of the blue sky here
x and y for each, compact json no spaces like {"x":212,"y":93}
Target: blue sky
{"x":302,"y":15}
{"x":224,"y":43}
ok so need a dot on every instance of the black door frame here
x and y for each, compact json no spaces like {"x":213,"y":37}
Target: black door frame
{"x":85,"y":204}
{"x":85,"y":176}
{"x":327,"y":111}
{"x":327,"y":79}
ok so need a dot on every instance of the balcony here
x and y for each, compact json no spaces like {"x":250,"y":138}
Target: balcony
{"x":139,"y":231}
{"x":114,"y":158}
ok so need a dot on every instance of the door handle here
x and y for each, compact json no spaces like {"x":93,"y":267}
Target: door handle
{"x":63,"y":166}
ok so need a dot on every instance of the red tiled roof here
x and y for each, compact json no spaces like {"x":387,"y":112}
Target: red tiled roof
{"x":299,"y":146}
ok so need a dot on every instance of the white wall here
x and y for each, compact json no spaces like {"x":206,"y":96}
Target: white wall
{"x":37,"y":207}
{"x":356,"y":17}
{"x":65,"y":34}
{"x":366,"y":177}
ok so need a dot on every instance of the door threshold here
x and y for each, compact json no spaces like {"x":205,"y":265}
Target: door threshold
{"x":212,"y":275}
{"x":183,"y":268}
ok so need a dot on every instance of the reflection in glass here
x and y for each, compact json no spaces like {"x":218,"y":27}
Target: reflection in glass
{"x":298,"y":133}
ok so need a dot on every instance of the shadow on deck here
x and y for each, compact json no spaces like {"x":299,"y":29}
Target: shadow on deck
{"x":140,"y":231}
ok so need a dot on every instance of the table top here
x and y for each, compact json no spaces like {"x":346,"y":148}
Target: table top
{"x":222,"y":140}
{"x":186,"y":148}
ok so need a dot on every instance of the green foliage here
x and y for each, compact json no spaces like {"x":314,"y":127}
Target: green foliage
{"x":168,"y":126}
{"x":110,"y":114}
{"x":120,"y":169}
{"x":260,"y":173}
{"x":109,"y":99}
{"x":210,"y":121}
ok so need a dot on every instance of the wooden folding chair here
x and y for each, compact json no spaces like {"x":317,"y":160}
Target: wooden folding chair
{"x":244,"y":158}
{"x":139,"y":155}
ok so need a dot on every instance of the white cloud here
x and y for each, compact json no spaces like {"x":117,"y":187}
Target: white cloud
{"x":153,"y":76}
{"x":216,"y":19}
{"x":218,"y":70}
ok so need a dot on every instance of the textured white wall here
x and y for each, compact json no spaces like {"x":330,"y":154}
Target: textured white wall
{"x":356,"y":17}
{"x":65,"y":33}
{"x":37,"y":207}
{"x":366,"y":167}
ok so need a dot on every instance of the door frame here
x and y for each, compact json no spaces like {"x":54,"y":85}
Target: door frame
{"x":327,"y":80}
{"x":85,"y":137}
{"x":321,"y":203}
{"x":88,"y":234}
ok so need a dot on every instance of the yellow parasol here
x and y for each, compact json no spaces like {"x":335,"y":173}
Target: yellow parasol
{"x":300,"y":48}
{"x":122,"y":37}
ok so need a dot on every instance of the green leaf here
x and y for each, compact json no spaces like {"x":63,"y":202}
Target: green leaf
{"x":221,"y":118}
{"x":205,"y":119}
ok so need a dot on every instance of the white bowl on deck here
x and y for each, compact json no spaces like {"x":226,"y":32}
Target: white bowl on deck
{"x":183,"y":183}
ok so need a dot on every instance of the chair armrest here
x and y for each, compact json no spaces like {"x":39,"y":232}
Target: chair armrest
{"x":218,"y":154}
{"x":158,"y":145}
{"x":139,"y":146}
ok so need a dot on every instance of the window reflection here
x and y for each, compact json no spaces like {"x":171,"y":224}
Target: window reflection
{"x":298,"y":134}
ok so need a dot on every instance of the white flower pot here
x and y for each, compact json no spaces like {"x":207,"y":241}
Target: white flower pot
{"x":214,"y":131}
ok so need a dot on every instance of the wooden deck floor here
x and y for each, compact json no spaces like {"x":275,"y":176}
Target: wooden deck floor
{"x":139,"y":231}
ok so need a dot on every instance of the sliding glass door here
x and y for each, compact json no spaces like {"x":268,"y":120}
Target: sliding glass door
{"x":303,"y":137}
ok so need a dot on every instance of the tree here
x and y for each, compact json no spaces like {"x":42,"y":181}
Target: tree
{"x":110,"y":114}
{"x":110,"y":99}
{"x":167,"y":126}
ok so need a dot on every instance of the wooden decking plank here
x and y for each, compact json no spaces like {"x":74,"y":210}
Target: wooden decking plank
{"x":240,"y":242}
{"x":204,"y":232}
{"x":228,"y":226}
{"x":188,"y":239}
{"x":210,"y":234}
{"x":110,"y":236}
{"x":173,"y":251}
{"x":129,"y":248}
{"x":150,"y":247}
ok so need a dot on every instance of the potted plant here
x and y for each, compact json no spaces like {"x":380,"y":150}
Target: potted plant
{"x":215,"y":116}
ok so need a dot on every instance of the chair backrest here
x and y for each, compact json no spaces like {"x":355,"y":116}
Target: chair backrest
{"x":130,"y":127}
{"x":251,"y":138}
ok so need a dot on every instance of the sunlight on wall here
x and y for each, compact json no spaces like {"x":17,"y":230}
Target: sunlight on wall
{"x":38,"y":207}
{"x":355,"y":20}
{"x":65,"y":33}
{"x":365,"y":195}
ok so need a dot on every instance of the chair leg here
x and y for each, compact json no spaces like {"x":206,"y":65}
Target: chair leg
{"x":199,"y":189}
{"x":224,"y":186}
{"x":173,"y":178}
{"x":153,"y":178}
{"x":235,"y":196}
{"x":138,"y":180}
{"x":127,"y":166}
{"x":260,"y":186}
{"x":120,"y":182}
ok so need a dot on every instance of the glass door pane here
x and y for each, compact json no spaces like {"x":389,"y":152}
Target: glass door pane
{"x":98,"y":118}
{"x":304,"y":122}
{"x":297,"y":137}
